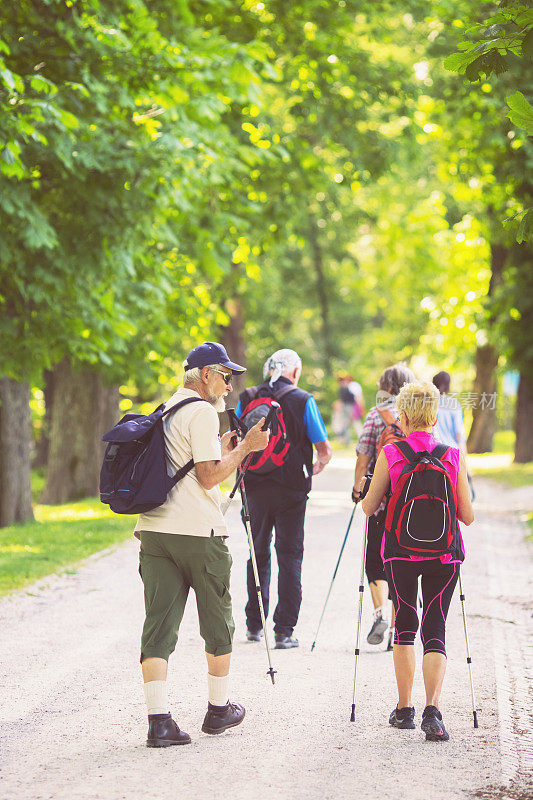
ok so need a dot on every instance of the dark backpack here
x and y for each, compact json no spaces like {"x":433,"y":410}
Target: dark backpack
{"x":275,"y":453}
{"x":134,"y":474}
{"x":422,"y":510}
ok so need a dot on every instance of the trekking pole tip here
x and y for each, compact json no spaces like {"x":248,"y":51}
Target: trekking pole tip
{"x":313,"y":646}
{"x":352,"y":716}
{"x":271,"y":672}
{"x":475,"y":720}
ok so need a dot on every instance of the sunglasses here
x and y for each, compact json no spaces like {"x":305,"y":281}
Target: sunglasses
{"x":227,"y":376}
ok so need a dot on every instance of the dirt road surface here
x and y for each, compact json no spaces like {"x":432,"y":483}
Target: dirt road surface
{"x":74,"y":720}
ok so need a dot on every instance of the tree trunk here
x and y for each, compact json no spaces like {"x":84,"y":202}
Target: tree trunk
{"x":82,"y":410}
{"x":15,"y":450}
{"x":484,"y":421}
{"x":42,"y":448}
{"x":524,"y":421}
{"x":323,"y":300}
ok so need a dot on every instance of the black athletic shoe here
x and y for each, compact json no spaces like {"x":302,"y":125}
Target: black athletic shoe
{"x":219,"y":718}
{"x":164,"y":732}
{"x":285,"y":642}
{"x":433,"y":726}
{"x":403,"y":718}
{"x":254,"y":636}
{"x":377,"y":631}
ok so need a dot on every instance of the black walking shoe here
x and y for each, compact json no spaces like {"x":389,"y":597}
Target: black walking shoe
{"x":285,"y":642}
{"x":164,"y":732}
{"x":254,"y":636}
{"x":433,"y":726}
{"x":403,"y":718}
{"x":377,"y":631}
{"x":219,"y":718}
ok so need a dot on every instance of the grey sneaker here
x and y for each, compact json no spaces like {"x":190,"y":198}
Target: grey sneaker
{"x":254,"y":636}
{"x":377,"y":631}
{"x":285,"y":642}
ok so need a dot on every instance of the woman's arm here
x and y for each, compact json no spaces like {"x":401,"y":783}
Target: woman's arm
{"x":465,"y":512}
{"x":379,"y":486}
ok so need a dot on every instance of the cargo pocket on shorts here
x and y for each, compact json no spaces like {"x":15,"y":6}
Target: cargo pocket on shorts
{"x":218,"y":576}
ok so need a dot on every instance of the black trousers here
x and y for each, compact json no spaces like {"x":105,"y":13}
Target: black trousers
{"x":273,"y":506}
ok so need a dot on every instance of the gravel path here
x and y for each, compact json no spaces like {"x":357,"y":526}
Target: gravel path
{"x":74,"y":718}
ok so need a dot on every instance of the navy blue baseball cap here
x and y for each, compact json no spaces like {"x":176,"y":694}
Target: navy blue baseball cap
{"x":211,"y":353}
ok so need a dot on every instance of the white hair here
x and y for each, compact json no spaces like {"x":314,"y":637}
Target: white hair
{"x":279,"y":363}
{"x":194,"y":375}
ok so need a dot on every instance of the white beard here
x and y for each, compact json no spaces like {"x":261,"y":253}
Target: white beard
{"x":219,"y":404}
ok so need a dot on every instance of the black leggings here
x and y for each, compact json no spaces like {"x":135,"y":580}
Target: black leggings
{"x":438,"y":584}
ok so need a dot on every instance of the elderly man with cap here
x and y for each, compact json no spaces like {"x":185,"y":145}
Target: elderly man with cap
{"x":278,"y":499}
{"x":183,"y":545}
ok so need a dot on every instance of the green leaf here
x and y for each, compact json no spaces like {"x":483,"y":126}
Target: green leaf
{"x":521,"y":112}
{"x":457,"y":62}
{"x":8,"y":78}
{"x":7,"y":155}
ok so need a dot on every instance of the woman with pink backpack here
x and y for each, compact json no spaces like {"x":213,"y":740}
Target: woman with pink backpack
{"x":429,"y":494}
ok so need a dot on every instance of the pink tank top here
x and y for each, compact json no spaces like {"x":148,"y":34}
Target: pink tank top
{"x":421,"y":440}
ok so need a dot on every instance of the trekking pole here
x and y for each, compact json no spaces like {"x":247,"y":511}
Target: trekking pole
{"x":468,"y":658}
{"x":246,"y":519}
{"x":361,"y":590}
{"x":235,"y":425}
{"x":334,"y":575}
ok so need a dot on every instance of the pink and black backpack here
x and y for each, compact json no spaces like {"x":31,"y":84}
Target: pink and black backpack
{"x":422,"y":510}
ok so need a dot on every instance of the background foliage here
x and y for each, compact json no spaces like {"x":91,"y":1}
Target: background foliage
{"x":329,"y":176}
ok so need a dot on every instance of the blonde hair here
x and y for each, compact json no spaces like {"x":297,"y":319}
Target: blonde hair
{"x":420,"y":403}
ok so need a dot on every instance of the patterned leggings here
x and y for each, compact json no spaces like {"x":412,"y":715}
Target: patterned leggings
{"x":438,"y":584}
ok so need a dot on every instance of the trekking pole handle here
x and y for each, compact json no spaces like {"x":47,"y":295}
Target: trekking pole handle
{"x":269,"y":417}
{"x":357,"y":498}
{"x":234,"y":421}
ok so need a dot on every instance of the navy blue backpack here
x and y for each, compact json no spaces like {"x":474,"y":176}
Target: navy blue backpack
{"x":134,"y":474}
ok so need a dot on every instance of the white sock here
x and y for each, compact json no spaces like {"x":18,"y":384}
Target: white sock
{"x":378,"y":612}
{"x":217,"y":689}
{"x":156,"y":696}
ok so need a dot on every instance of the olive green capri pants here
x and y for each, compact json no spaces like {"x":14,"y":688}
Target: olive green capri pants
{"x":170,"y":564}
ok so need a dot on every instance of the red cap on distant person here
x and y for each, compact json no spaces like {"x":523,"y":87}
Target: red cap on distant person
{"x":211,"y":353}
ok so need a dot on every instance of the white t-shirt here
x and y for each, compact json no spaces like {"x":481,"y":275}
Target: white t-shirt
{"x":190,"y":510}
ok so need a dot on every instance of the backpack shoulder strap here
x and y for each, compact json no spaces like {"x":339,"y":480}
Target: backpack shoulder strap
{"x":439,"y":451}
{"x":407,"y":451}
{"x":181,"y":473}
{"x":181,"y":404}
{"x":284,"y":390}
{"x":247,"y":395}
{"x":190,"y":464}
{"x":386,"y":415}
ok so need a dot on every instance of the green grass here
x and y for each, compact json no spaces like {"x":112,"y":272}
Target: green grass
{"x":61,"y":537}
{"x":499,"y":465}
